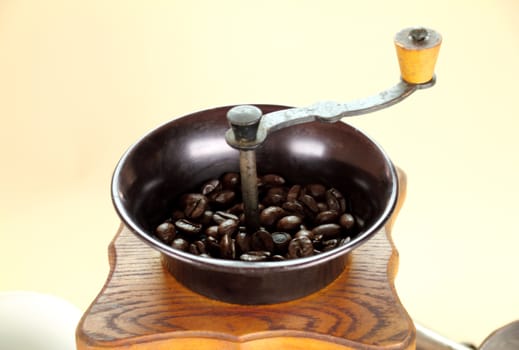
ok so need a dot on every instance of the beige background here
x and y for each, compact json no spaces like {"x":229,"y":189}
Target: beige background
{"x":81,"y":80}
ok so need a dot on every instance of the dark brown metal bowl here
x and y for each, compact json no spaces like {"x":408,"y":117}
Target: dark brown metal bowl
{"x":180,"y":155}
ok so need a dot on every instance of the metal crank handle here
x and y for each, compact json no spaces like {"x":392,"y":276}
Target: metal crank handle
{"x":327,"y":111}
{"x":417,"y":51}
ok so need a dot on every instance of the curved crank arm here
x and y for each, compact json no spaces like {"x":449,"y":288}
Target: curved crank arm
{"x":417,"y":51}
{"x":326,"y":111}
{"x":329,"y":111}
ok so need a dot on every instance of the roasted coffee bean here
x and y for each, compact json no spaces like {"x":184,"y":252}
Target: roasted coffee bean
{"x":206,"y":218}
{"x":218,"y":219}
{"x":259,"y":252}
{"x":360,"y":222}
{"x":262,"y":240}
{"x":278,"y":190}
{"x":317,"y":191}
{"x":281,"y":241}
{"x":293,"y":193}
{"x":200,"y":246}
{"x":335,"y":200}
{"x":271,"y":180}
{"x":347,"y":221}
{"x":322,"y":206}
{"x":295,"y":208}
{"x":243,"y":242}
{"x":197,"y":248}
{"x":188,"y":227}
{"x":332,"y":202}
{"x":210,"y":186}
{"x":252,"y":257}
{"x":231,"y":181}
{"x":212,"y":231}
{"x":209,"y":239}
{"x":223,"y":198}
{"x":309,"y":203}
{"x":300,"y":247}
{"x":326,"y":217}
{"x":304,"y":233}
{"x":275,"y":196}
{"x":327,"y":230}
{"x":166,"y":232}
{"x":180,"y":244}
{"x":317,"y":240}
{"x":289,"y":223}
{"x":195,"y":205}
{"x":212,"y":246}
{"x":227,"y":215}
{"x":329,"y":244}
{"x":227,"y":247}
{"x":187,"y":198}
{"x":344,"y":240}
{"x":227,"y":227}
{"x":221,"y":216}
{"x":236,"y":209}
{"x":270,"y":215}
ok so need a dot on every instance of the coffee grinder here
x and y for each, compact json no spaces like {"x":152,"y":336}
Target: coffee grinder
{"x":157,"y":297}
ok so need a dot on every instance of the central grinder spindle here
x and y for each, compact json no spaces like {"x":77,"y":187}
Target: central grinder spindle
{"x":244,"y":121}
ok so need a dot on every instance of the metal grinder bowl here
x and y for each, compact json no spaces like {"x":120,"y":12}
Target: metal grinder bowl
{"x":180,"y":155}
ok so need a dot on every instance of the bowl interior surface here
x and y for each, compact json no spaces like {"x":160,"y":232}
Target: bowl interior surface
{"x":182,"y":154}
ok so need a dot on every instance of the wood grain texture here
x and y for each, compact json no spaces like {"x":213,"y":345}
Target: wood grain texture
{"x":142,"y":307}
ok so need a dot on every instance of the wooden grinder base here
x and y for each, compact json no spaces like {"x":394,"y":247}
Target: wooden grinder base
{"x":143,"y":307}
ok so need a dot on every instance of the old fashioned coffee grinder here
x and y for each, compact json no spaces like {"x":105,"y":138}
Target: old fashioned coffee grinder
{"x":158,"y":297}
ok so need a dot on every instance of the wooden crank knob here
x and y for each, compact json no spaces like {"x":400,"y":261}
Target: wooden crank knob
{"x":417,"y":50}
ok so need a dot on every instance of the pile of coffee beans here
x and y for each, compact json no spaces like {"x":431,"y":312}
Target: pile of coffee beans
{"x":295,"y":220}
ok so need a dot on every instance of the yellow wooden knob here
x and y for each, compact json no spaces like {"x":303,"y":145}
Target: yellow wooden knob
{"x":417,"y":50}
